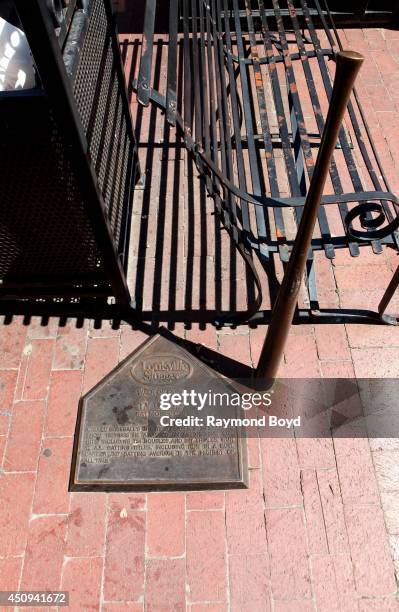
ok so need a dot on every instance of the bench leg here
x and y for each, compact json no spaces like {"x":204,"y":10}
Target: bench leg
{"x":387,"y":297}
{"x":348,"y":65}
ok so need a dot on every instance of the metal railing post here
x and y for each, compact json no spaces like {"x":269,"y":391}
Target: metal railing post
{"x":348,"y":66}
{"x":387,"y":297}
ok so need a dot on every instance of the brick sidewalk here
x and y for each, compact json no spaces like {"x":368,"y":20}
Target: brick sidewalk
{"x":319,"y":527}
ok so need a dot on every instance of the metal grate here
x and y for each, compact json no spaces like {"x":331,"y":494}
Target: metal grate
{"x":44,"y":229}
{"x":47,"y":240}
{"x":97,"y":93}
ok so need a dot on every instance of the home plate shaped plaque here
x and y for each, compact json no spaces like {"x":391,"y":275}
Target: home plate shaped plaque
{"x":126,"y":441}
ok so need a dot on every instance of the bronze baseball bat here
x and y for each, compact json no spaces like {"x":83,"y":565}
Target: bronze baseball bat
{"x":347,"y":68}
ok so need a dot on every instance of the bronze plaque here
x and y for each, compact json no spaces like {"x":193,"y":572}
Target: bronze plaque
{"x":122,"y":442}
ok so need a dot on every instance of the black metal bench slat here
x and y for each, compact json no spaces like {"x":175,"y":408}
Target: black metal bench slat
{"x":212,"y":137}
{"x":171,"y":84}
{"x":298,"y":119}
{"x":219,"y":98}
{"x":233,"y":208}
{"x":266,"y":132}
{"x":209,"y":109}
{"x":301,"y":149}
{"x":187,"y":86}
{"x":256,"y":182}
{"x":350,"y":162}
{"x":245,"y":220}
{"x":144,"y":80}
{"x":356,"y":127}
{"x":280,"y":58}
{"x":281,"y":119}
{"x":335,"y":180}
{"x":198,"y":102}
{"x":224,"y":130}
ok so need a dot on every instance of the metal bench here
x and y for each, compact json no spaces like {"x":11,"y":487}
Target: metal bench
{"x":257,"y":77}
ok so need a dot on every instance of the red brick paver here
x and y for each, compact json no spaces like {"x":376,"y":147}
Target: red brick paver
{"x":318,"y":529}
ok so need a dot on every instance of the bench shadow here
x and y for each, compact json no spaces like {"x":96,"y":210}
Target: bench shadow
{"x":184,"y":260}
